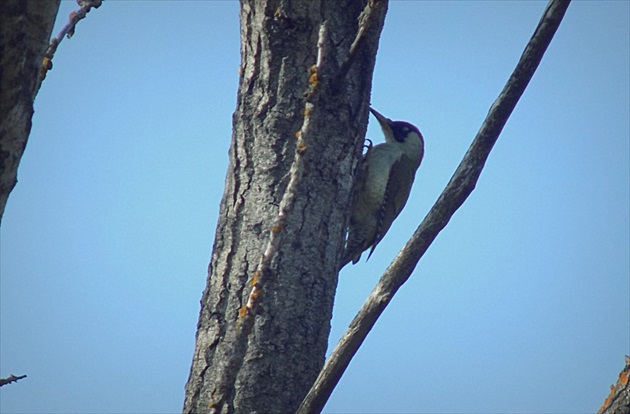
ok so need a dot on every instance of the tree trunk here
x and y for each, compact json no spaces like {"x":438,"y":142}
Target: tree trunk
{"x":269,"y":365}
{"x":618,"y":401}
{"x":25,"y":27}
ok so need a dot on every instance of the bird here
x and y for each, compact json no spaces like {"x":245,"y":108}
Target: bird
{"x":383,"y":182}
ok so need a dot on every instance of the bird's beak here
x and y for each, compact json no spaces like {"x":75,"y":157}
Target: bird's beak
{"x":385,"y":125}
{"x":382,"y":119}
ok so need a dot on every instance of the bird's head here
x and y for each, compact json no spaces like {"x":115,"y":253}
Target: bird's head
{"x":403,"y":133}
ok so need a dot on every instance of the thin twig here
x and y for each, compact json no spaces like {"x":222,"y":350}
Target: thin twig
{"x":10,"y":379}
{"x":67,"y":31}
{"x":365,"y":21}
{"x":295,"y":174}
{"x":458,"y":189}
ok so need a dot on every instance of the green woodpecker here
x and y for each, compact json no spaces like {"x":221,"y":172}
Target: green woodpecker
{"x":382,"y":185}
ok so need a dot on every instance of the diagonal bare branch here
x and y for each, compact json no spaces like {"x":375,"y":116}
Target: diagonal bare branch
{"x":365,"y":21}
{"x":67,"y":31}
{"x":462,"y":183}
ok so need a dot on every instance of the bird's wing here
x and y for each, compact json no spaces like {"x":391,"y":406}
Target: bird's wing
{"x":396,"y":195}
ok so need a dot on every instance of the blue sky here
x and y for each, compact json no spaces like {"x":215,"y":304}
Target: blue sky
{"x":520,"y":305}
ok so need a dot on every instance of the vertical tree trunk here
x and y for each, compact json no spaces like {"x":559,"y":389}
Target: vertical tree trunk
{"x":284,"y":350}
{"x":25,"y":27}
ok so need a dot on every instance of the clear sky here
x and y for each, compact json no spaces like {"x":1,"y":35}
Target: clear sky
{"x":520,"y":305}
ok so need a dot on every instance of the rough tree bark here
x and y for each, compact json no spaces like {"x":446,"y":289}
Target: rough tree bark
{"x":618,"y":401}
{"x":25,"y":28}
{"x":272,"y":365}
